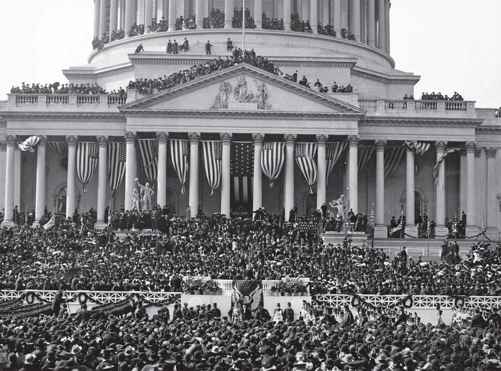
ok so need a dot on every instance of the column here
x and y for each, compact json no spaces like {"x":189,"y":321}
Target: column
{"x":410,"y":212}
{"x":322,"y":171}
{"x":40,"y":179}
{"x":129,"y":16}
{"x":172,"y":15}
{"x":492,"y":204}
{"x":71,"y":176}
{"x":102,"y":18}
{"x":17,"y":177}
{"x":140,"y":12}
{"x":314,"y":15}
{"x":199,"y":16}
{"x":113,"y":17}
{"x":353,"y":174}
{"x":194,"y":175}
{"x":102,"y":175}
{"x":9,"y":182}
{"x":337,"y":17}
{"x":148,"y":15}
{"x":355,"y":18}
{"x":471,"y":217}
{"x":287,"y":15}
{"x":162,"y":170}
{"x":380,"y":231}
{"x":228,"y":13}
{"x":258,"y":13}
{"x":97,"y":19}
{"x":130,"y":167}
{"x":257,"y":186}
{"x":371,"y":23}
{"x":440,"y":229}
{"x":305,"y":10}
{"x":381,"y":24}
{"x":289,"y":175}
{"x":225,"y":175}
{"x":325,"y":12}
{"x":3,"y":161}
{"x":387,"y":27}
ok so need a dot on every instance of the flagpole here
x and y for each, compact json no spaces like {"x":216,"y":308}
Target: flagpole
{"x":243,"y":25}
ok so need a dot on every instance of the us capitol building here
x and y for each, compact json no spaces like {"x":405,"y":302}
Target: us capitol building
{"x":242,"y":136}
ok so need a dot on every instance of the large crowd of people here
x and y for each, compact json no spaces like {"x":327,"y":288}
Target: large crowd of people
{"x":439,"y":96}
{"x":58,"y":88}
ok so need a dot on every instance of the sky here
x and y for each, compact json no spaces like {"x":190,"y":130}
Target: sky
{"x":454,"y":45}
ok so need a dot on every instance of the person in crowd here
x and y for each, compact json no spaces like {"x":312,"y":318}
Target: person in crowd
{"x":139,"y":49}
{"x":288,"y":313}
{"x":208,"y":48}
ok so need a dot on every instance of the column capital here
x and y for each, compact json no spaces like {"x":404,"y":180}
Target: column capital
{"x":440,"y":145}
{"x":290,"y":137}
{"x":470,"y":146}
{"x":225,"y":137}
{"x":322,"y":138}
{"x":193,"y":136}
{"x":71,"y":139}
{"x":353,"y":139}
{"x":258,"y":137}
{"x":380,"y":144}
{"x":102,"y":140}
{"x":11,"y":139}
{"x":162,"y":136}
{"x":42,"y":139}
{"x":130,"y":136}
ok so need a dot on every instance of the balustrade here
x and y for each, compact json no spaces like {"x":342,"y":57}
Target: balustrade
{"x":419,"y":107}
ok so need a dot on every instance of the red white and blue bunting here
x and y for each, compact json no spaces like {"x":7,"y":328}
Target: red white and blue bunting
{"x":148,"y":157}
{"x":242,"y":171}
{"x":272,"y":160}
{"x":364,"y":156}
{"x":59,"y":148}
{"x":305,"y":159}
{"x":334,"y":152}
{"x":211,"y":150}
{"x":392,"y":159}
{"x":87,"y":159}
{"x":29,"y":144}
{"x":179,"y":157}
{"x":116,"y":165}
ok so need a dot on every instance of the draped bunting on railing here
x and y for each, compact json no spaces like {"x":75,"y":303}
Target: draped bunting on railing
{"x":59,"y":148}
{"x":148,"y":156}
{"x":242,"y":172}
{"x":179,"y":158}
{"x":87,"y":159}
{"x":392,"y":159}
{"x":364,"y":156}
{"x":116,"y":165}
{"x":305,"y":159}
{"x":334,"y":153}
{"x":211,"y":150}
{"x":272,"y":160}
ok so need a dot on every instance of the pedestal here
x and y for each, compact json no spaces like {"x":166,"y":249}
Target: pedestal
{"x":380,"y":232}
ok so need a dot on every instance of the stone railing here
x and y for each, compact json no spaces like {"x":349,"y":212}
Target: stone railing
{"x":45,"y":101}
{"x":419,"y":107}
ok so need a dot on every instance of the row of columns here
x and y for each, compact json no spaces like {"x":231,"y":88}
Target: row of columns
{"x":194,"y":180}
{"x":367,"y":20}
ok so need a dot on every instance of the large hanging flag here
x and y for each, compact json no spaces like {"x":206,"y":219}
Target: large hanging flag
{"x":29,"y":144}
{"x":305,"y":159}
{"x":441,"y":159}
{"x":116,"y":165}
{"x":419,"y":148}
{"x":334,"y":152}
{"x":364,"y":156}
{"x":59,"y":148}
{"x":179,"y":157}
{"x":392,"y":159}
{"x":272,"y":160}
{"x":211,"y":150}
{"x":148,"y":157}
{"x":242,"y":172}
{"x":87,"y":160}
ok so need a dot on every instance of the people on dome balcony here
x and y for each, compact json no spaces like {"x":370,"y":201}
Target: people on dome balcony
{"x":438,"y":96}
{"x":57,"y":88}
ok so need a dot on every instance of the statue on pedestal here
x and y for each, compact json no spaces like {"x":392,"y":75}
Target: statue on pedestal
{"x":336,"y":212}
{"x":142,"y":196}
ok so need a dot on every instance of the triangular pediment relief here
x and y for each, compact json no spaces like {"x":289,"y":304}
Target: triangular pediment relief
{"x":242,"y":88}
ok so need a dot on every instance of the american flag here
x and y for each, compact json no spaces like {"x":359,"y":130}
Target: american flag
{"x":242,"y":168}
{"x":116,"y":165}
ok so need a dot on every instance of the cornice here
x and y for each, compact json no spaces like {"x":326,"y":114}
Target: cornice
{"x":383,"y":77}
{"x":46,"y":116}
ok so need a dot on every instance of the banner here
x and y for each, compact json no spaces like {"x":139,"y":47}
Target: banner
{"x":242,"y":173}
{"x":148,"y":156}
{"x":305,"y":159}
{"x":211,"y":150}
{"x":334,"y":153}
{"x":272,"y":160}
{"x":87,"y":160}
{"x":179,"y":157}
{"x":116,"y":165}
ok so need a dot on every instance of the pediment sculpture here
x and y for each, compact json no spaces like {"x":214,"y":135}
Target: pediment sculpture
{"x":242,"y":95}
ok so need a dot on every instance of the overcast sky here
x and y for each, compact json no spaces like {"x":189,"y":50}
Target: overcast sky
{"x":452,"y":44}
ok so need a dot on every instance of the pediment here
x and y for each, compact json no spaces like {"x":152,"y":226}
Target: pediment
{"x":242,"y":88}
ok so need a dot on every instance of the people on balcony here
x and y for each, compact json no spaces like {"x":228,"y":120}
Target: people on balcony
{"x":58,"y":88}
{"x":272,"y":23}
{"x":439,"y":97}
{"x":236,"y":21}
{"x":299,"y":25}
{"x":327,"y":30}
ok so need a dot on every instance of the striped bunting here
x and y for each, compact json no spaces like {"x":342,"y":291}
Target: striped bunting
{"x":29,"y":144}
{"x":148,"y":156}
{"x":242,"y":171}
{"x":211,"y":150}
{"x":179,"y":157}
{"x":116,"y":165}
{"x":305,"y":159}
{"x":59,"y":148}
{"x":364,"y":156}
{"x":392,"y":159}
{"x":87,"y":159}
{"x":419,"y":148}
{"x":272,"y":160}
{"x":441,"y":159}
{"x":334,"y":153}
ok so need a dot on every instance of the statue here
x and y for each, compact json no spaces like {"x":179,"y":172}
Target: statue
{"x":262,"y":96}
{"x":147,"y":194}
{"x":222,"y":96}
{"x":136,"y":195}
{"x":241,"y":91}
{"x":337,"y":206}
